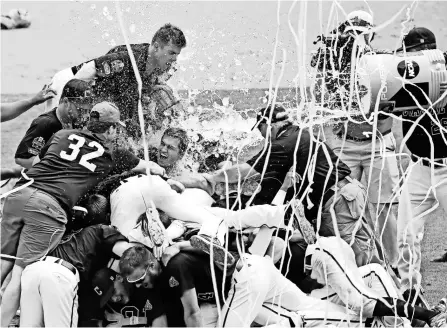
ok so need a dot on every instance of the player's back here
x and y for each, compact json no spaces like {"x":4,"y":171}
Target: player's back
{"x":72,"y":162}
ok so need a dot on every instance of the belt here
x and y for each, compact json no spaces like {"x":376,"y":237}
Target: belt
{"x":331,"y":192}
{"x":428,"y":162}
{"x":65,"y":264}
{"x":341,"y":135}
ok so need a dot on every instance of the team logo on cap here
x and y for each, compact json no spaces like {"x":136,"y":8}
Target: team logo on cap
{"x":408,"y":69}
{"x":106,"y":67}
{"x":173,"y":282}
{"x":117,"y":66}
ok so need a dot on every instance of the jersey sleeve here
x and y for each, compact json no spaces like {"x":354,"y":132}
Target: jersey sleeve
{"x":113,"y":64}
{"x":179,"y":273}
{"x":278,"y":160}
{"x":35,"y":138}
{"x":110,"y":235}
{"x":44,"y":149}
{"x":123,"y":160}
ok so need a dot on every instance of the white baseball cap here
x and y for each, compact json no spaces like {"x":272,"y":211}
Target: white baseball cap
{"x":361,"y":15}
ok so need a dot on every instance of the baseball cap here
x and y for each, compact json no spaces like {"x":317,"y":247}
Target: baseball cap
{"x":77,"y":89}
{"x":103,"y":285}
{"x":416,"y":37}
{"x":106,"y":112}
{"x":264,"y":114}
{"x":361,"y":21}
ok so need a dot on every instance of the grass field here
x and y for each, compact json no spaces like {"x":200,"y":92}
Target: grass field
{"x":434,"y":243}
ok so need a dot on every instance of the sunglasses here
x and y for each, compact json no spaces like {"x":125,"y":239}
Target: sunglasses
{"x":139,"y":279}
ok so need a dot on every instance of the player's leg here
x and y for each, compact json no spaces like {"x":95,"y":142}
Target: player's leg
{"x":250,"y":286}
{"x":210,"y":314}
{"x":333,"y":264}
{"x":44,"y":226}
{"x":11,"y":228}
{"x":31,"y":310}
{"x":11,"y":297}
{"x":58,"y":288}
{"x":383,"y":176}
{"x":346,"y":211}
{"x":441,"y":186}
{"x":416,"y":202}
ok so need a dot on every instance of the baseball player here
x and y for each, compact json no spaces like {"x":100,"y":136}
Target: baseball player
{"x":425,"y":186}
{"x":114,"y":76}
{"x":124,"y":305}
{"x":54,"y":286}
{"x":35,"y":212}
{"x":71,"y":113}
{"x":368,"y":290}
{"x":353,"y":144}
{"x":256,"y":292}
{"x":325,"y":182}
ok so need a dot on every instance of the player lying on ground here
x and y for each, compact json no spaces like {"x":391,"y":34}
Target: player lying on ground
{"x":332,"y":263}
{"x":257,"y":288}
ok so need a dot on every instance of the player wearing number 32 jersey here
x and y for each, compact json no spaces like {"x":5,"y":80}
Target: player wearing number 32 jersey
{"x":35,"y":215}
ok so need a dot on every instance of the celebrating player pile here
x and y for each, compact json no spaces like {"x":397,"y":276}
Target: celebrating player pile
{"x":92,"y":235}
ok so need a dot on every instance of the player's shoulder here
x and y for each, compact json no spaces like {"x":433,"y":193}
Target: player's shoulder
{"x":47,"y":118}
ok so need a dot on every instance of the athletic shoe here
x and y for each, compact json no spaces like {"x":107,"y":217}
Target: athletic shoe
{"x":439,"y":320}
{"x":208,"y":245}
{"x":442,"y":258}
{"x":441,"y":306}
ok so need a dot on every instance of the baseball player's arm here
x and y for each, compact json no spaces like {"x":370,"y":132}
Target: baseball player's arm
{"x":161,"y":321}
{"x":27,"y":163}
{"x":153,"y":168}
{"x":232,"y":174}
{"x":87,"y":71}
{"x":12,"y":110}
{"x":191,"y":309}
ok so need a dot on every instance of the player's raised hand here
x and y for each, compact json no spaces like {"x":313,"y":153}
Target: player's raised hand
{"x":43,"y":95}
{"x":156,"y":169}
{"x":176,"y":185}
{"x":291,"y":179}
{"x":169,"y":253}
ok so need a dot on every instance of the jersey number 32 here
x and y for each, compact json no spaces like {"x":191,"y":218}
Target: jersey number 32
{"x":76,"y":147}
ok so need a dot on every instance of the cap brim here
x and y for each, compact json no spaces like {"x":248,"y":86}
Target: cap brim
{"x":106,"y":297}
{"x":409,"y":47}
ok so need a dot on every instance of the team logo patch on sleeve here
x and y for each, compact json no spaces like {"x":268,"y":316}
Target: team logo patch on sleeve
{"x":36,"y":146}
{"x":147,"y":306}
{"x":106,"y":67}
{"x":117,"y":66}
{"x":173,"y":282}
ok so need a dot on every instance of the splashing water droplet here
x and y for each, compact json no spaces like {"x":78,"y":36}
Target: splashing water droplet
{"x":237,"y":62}
{"x":112,"y":43}
{"x":96,"y":22}
{"x":93,"y":7}
{"x":201,"y":67}
{"x":105,"y":11}
{"x":132,"y":28}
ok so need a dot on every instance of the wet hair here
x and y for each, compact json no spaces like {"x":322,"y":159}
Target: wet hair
{"x":179,"y":134}
{"x":134,"y":257}
{"x":170,"y":33}
{"x":98,"y":208}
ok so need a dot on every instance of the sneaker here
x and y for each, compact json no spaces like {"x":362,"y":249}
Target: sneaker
{"x":439,"y":320}
{"x":442,"y":258}
{"x":208,"y":245}
{"x":441,"y":306}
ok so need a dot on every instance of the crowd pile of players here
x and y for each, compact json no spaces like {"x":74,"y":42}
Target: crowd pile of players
{"x":94,"y":235}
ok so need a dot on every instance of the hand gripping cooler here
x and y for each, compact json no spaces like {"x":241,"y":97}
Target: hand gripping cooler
{"x":408,"y":80}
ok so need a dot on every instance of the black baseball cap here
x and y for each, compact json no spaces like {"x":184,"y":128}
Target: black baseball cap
{"x":76,"y":88}
{"x":417,"y":37}
{"x":103,"y":285}
{"x":263,"y":114}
